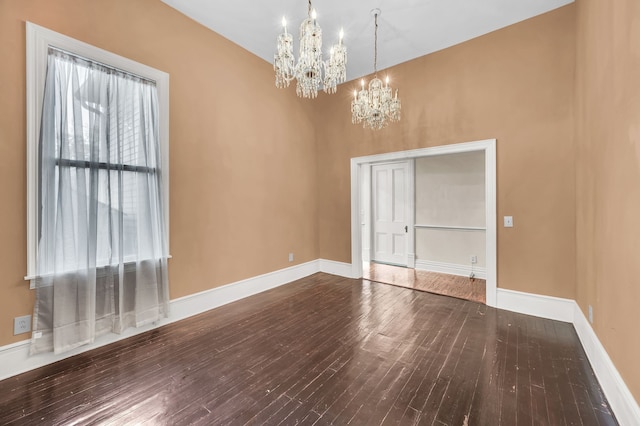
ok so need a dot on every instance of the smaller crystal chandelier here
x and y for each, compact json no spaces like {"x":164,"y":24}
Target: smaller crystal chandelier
{"x":309,"y":70}
{"x":376,"y":107}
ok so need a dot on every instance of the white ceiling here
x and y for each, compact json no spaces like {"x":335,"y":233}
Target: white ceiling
{"x":407,"y":29}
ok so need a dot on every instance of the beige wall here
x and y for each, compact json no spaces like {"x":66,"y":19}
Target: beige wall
{"x":608,"y":177}
{"x":243,"y":178}
{"x":515,"y":85}
{"x":454,"y":247}
{"x":450,"y":191}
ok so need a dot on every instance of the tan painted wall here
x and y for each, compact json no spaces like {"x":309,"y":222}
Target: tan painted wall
{"x":515,"y":85}
{"x":608,"y":177}
{"x":243,"y":178}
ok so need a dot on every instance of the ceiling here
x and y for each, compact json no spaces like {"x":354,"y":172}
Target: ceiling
{"x":407,"y":29}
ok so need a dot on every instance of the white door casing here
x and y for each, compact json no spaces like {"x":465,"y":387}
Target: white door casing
{"x":488,"y":146}
{"x":390,"y":212}
{"x":365,"y":212}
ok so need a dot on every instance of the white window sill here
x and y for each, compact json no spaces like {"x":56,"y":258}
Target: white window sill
{"x":33,"y":277}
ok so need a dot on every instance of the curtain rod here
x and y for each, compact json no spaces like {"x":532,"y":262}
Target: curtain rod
{"x":102,"y":64}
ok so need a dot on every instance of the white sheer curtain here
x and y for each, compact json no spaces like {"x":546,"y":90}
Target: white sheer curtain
{"x":102,"y":260}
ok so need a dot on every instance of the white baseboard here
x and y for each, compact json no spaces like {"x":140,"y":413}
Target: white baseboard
{"x":194,"y":304}
{"x":366,"y":254}
{"x":451,"y":268}
{"x":554,"y":308}
{"x":618,"y":394}
{"x":15,"y":358}
{"x":336,"y":268}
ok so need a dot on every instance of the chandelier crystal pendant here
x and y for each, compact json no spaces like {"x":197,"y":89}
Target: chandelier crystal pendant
{"x":376,"y":107}
{"x":311,"y":72}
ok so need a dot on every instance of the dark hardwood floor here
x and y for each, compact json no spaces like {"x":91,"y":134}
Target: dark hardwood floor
{"x":433,"y":282}
{"x":325,"y":350}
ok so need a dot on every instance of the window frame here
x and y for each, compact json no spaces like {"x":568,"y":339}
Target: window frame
{"x":38,"y":41}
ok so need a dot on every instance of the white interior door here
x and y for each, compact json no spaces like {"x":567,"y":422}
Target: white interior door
{"x":390,"y":211}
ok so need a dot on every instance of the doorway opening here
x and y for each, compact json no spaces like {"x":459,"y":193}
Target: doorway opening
{"x":411,"y":234}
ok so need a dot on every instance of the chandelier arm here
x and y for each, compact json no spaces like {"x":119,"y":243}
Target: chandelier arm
{"x":289,"y":79}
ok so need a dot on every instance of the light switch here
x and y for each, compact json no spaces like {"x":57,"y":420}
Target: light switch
{"x":508,"y":221}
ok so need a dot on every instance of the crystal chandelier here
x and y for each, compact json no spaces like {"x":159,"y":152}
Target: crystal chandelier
{"x":375,"y":107}
{"x":309,"y":70}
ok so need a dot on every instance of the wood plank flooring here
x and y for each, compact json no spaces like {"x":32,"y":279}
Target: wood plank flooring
{"x":325,"y":350}
{"x":433,"y":282}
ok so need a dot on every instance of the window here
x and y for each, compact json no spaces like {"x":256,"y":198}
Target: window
{"x":98,"y":191}
{"x":39,"y":41}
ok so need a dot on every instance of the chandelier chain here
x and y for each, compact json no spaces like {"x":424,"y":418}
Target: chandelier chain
{"x":310,"y":8}
{"x":375,"y":48}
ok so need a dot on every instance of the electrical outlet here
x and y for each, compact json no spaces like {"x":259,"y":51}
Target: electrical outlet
{"x":591,"y":314}
{"x":508,"y":221}
{"x":290,"y":257}
{"x":21,"y":324}
{"x":474,"y":259}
